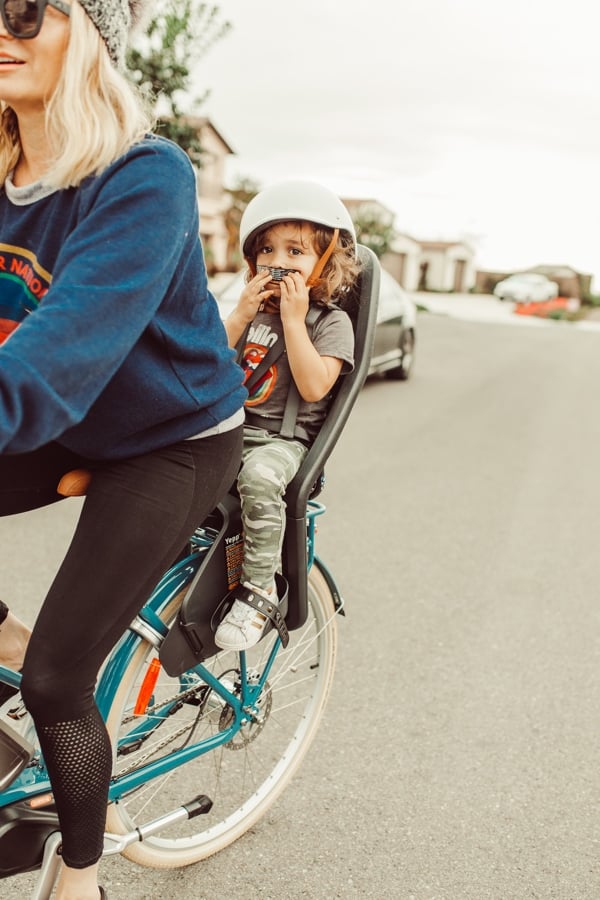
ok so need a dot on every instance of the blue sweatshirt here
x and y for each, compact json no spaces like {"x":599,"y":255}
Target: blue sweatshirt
{"x":113,"y":344}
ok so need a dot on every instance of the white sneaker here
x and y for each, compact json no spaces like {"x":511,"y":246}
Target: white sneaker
{"x":244,"y":625}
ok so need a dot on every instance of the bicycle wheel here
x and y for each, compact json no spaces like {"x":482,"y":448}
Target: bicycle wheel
{"x":243,"y":777}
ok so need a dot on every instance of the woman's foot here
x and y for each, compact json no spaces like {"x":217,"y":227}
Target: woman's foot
{"x":245,"y":623}
{"x":79,"y":884}
{"x":100,"y":893}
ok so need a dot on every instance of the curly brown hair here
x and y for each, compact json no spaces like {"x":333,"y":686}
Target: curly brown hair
{"x":341,"y":269}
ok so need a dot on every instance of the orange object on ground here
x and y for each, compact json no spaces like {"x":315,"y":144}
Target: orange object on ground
{"x":543,"y":308}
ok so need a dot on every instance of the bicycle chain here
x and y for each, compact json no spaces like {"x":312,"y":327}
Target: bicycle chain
{"x":174,"y":699}
{"x":141,"y":760}
{"x":156,"y":748}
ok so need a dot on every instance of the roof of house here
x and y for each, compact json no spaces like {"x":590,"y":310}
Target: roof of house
{"x":555,"y":271}
{"x":353,"y":204}
{"x":202,"y":122}
{"x":442,"y":245}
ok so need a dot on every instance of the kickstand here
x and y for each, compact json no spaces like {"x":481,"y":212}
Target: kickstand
{"x":49,"y":870}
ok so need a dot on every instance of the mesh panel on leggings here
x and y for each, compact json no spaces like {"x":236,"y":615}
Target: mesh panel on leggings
{"x":79,"y":760}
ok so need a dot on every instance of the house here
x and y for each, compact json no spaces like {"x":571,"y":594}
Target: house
{"x":403,"y":261}
{"x":418,"y":265}
{"x":369,"y":209}
{"x":403,"y":257}
{"x":212,"y":197}
{"x":570,"y":283}
{"x":446,"y":266}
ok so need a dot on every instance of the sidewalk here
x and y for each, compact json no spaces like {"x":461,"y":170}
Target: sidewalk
{"x":473,"y":308}
{"x":487,"y":308}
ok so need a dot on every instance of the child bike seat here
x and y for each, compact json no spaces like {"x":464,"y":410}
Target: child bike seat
{"x":361,"y":306}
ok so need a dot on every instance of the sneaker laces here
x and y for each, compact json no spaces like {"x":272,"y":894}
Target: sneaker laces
{"x":240,"y":614}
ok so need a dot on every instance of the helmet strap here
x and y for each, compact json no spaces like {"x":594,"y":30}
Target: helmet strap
{"x":318,"y":269}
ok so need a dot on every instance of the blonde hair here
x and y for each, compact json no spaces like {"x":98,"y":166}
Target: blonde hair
{"x":341,"y":269}
{"x":94,"y":116}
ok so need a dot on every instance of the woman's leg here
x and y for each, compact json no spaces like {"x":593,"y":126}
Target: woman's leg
{"x":137,"y":516}
{"x":27,"y":481}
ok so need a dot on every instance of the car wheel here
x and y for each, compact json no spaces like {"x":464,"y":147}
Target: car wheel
{"x":407,"y":355}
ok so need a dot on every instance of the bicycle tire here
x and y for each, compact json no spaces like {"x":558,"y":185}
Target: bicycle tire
{"x":242,"y":778}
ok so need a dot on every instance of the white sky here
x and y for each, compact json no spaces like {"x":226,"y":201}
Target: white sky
{"x":467,"y":118}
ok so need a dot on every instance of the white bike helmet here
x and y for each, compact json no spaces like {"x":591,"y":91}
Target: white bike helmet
{"x":302,"y":200}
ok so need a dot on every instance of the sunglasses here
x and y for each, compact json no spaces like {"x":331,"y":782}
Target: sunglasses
{"x":23,"y":18}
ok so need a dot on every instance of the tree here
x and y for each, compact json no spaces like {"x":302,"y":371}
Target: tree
{"x":374,"y":231}
{"x":240,"y":196}
{"x":161,"y":61}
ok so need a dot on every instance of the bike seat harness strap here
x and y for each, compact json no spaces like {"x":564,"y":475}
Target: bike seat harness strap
{"x":265,"y":607}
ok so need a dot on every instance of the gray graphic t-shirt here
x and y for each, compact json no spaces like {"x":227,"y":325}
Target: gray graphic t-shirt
{"x":332,"y":335}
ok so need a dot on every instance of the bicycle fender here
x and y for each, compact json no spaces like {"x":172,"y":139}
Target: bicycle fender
{"x":338,"y":600}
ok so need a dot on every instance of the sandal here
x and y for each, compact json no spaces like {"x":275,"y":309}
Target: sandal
{"x":250,"y":610}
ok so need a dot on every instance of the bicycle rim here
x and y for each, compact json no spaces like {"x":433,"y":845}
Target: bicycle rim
{"x":244,"y":777}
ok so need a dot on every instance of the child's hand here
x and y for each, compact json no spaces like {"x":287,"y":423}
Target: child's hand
{"x":294,"y":298}
{"x":253,"y":295}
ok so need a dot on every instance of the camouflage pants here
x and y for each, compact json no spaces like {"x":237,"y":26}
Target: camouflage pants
{"x":268,"y":465}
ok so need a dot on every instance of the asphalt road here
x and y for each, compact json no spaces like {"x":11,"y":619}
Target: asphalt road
{"x":458,"y":759}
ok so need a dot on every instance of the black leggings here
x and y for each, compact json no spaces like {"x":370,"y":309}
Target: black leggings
{"x":136,"y":518}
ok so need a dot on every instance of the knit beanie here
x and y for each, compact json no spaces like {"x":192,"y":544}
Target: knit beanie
{"x":113,"y":19}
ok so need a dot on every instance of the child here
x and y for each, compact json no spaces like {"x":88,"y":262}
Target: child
{"x":300,"y":246}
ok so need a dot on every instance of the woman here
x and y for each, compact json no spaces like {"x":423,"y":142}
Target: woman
{"x":114,"y":358}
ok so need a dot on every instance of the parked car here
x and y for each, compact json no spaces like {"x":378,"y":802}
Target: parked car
{"x":395,"y":334}
{"x":527,"y":287}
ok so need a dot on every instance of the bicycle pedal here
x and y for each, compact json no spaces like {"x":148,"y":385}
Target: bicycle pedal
{"x":199,"y":806}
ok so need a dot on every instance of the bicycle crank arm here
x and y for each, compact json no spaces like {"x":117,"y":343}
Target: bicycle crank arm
{"x":49,"y":869}
{"x":116,"y":843}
